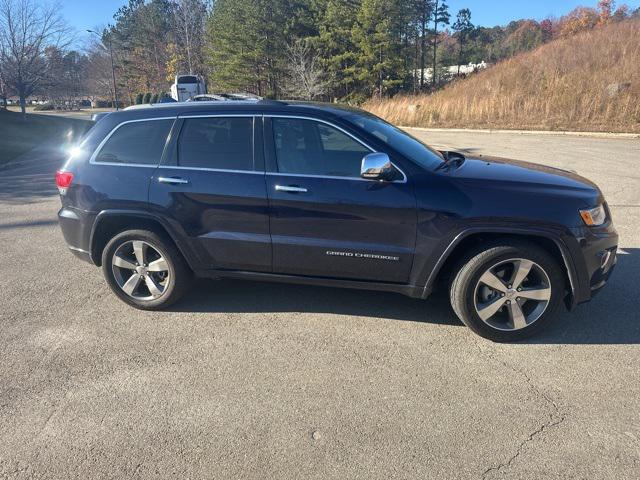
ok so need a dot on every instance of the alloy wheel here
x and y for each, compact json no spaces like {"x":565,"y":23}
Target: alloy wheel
{"x":512,"y":294}
{"x":140,"y":270}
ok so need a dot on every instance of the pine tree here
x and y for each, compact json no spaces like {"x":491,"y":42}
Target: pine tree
{"x":440,"y":17}
{"x":423,"y":11}
{"x":377,"y":35}
{"x":246,"y":45}
{"x":336,"y":45}
{"x":463,"y":27}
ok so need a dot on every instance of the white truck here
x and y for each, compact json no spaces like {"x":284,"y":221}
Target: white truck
{"x":187,"y":86}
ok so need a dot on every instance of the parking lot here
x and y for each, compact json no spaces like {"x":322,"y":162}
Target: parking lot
{"x":249,"y":380}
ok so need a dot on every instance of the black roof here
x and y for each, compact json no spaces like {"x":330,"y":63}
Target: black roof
{"x":238,"y":106}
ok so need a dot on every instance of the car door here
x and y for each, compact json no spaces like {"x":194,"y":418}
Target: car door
{"x":212,"y":188}
{"x":326,"y":220}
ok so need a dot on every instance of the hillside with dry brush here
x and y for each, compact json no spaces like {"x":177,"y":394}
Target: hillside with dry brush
{"x":588,"y":82}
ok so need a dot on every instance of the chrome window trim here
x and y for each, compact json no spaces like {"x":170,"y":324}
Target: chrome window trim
{"x":371,"y":149}
{"x":333,"y":177}
{"x":214,"y":115}
{"x":95,"y":154}
{"x":204,"y":169}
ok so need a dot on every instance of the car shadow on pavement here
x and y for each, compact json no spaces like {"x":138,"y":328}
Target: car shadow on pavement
{"x":238,"y":296}
{"x":612,"y":317}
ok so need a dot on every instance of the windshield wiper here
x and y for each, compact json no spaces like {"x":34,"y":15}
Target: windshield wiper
{"x":451,"y":159}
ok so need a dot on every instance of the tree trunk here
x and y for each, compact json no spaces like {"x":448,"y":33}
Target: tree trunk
{"x":23,"y":105}
{"x":416,"y":65}
{"x":423,"y":49}
{"x":435,"y":45}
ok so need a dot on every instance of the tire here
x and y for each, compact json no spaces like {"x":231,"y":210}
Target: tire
{"x":156,"y":288}
{"x":518,"y":317}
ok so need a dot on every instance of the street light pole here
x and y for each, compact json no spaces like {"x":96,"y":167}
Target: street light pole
{"x":113,"y":68}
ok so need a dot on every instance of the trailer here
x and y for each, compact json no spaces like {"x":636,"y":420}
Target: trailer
{"x":187,"y":86}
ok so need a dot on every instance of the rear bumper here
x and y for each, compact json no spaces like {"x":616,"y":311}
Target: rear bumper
{"x":76,"y":229}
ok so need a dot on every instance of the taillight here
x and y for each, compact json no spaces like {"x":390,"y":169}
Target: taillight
{"x":63,"y":181}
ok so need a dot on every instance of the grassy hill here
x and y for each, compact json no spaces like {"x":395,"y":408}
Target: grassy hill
{"x":588,"y":82}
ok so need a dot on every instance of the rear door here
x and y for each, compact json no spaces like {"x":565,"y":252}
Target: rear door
{"x":212,"y":188}
{"x":326,"y":220}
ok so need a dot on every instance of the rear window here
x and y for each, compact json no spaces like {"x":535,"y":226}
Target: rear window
{"x":224,"y":143}
{"x":138,"y":143}
{"x":187,"y":79}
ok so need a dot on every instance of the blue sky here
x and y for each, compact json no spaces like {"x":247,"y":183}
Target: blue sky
{"x":489,"y":13}
{"x":83,"y":14}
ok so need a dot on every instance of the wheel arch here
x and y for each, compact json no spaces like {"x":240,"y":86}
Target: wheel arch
{"x":467,"y":239}
{"x":109,"y":223}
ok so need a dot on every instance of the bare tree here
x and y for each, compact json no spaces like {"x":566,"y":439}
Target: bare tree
{"x":189,"y":21}
{"x":99,"y":81}
{"x":27,"y":28}
{"x":305,"y":77}
{"x":67,"y":74}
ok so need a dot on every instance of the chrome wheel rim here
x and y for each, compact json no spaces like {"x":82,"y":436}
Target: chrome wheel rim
{"x":512,"y":294}
{"x":140,"y":270}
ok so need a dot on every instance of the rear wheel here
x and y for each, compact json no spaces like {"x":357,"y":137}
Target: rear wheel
{"x":507,"y":291}
{"x":145,"y":269}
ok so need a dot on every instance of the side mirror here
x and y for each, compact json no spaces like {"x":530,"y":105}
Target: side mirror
{"x":377,"y":166}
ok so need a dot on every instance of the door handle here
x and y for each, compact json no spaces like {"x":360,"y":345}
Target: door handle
{"x":289,"y":188}
{"x":173,"y":180}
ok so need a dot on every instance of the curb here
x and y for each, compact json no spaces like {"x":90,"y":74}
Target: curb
{"x":528,"y":132}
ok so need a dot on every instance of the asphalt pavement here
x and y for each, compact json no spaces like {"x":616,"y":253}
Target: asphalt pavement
{"x":250,"y":380}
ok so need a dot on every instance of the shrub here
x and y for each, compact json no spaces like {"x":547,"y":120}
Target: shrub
{"x":154,"y":98}
{"x":139,"y":98}
{"x":147,"y":98}
{"x":44,"y":107}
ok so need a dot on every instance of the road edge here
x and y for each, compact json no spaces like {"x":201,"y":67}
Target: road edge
{"x":528,"y":132}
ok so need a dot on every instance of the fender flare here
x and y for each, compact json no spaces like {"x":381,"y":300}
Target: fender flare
{"x":575,"y":271}
{"x":185,"y":250}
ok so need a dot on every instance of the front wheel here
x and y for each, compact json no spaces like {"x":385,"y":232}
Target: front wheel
{"x":145,"y":269}
{"x":508,"y":291}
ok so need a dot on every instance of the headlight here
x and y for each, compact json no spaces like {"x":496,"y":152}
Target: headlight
{"x":594,"y":217}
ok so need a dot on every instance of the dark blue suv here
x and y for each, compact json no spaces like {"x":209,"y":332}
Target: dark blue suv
{"x":326,"y":195}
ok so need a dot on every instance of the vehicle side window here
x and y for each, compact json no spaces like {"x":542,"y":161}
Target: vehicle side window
{"x":312,"y":148}
{"x":224,"y":143}
{"x":136,"y":142}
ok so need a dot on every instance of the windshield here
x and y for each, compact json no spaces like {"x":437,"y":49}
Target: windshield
{"x":187,"y":79}
{"x":397,"y":139}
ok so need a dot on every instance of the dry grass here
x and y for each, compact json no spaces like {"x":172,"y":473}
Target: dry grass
{"x":559,"y":86}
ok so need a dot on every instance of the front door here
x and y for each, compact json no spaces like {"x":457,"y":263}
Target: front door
{"x":327,"y":221}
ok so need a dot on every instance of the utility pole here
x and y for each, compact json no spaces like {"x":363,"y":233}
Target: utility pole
{"x":113,"y":68}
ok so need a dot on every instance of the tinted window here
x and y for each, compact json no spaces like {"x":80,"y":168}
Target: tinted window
{"x":215,"y":142}
{"x":187,"y":79}
{"x":313,"y":148}
{"x":397,"y":139}
{"x":136,"y":142}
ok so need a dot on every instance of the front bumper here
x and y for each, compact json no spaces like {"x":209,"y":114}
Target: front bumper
{"x":594,"y":259}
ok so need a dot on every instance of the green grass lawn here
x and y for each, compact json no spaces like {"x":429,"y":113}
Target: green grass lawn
{"x":19,"y":135}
